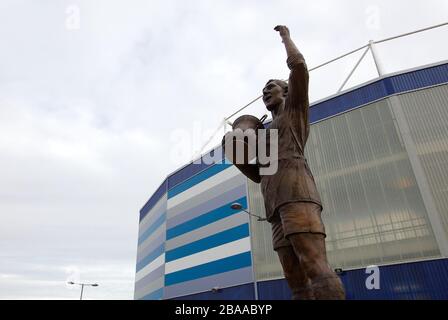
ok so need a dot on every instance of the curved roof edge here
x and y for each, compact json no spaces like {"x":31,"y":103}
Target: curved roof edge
{"x":388,"y":75}
{"x":156,"y":196}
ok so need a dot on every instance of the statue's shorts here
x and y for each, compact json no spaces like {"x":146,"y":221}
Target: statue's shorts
{"x":296,"y":217}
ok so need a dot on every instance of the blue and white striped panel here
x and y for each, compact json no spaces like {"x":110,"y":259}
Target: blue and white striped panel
{"x":207,"y":242}
{"x":150,"y":276}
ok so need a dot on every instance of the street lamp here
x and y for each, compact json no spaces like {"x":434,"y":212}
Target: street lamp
{"x":238,"y":206}
{"x":82,"y":286}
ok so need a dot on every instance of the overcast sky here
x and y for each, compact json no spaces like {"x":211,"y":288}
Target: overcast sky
{"x":96,"y":95}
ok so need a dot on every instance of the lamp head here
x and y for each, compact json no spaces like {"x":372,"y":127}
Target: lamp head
{"x":339,"y":271}
{"x":236,"y":206}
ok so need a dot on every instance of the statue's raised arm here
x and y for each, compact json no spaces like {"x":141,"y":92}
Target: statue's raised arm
{"x":299,"y":77}
{"x":292,"y":202}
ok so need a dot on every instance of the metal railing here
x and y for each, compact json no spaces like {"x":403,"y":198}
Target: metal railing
{"x":371,"y":46}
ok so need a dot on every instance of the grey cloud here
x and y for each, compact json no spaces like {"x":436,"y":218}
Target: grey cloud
{"x":86,"y":115}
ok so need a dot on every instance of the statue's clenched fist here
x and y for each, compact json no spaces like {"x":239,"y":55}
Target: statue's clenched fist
{"x":283,"y":30}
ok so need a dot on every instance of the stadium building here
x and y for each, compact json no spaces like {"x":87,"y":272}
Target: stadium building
{"x":379,"y":154}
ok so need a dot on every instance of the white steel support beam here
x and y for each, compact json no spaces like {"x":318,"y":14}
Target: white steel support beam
{"x":379,"y":66}
{"x":354,"y":69}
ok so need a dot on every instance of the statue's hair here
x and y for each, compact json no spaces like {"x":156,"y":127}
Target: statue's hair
{"x":281,"y":83}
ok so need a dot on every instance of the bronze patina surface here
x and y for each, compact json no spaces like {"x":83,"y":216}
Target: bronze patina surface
{"x":292,"y":202}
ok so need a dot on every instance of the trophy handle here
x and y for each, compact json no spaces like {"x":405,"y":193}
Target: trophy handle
{"x":263,"y":118}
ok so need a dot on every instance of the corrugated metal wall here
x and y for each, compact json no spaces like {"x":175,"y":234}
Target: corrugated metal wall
{"x":266,"y":262}
{"x":427,"y":114}
{"x":373,"y":209}
{"x":418,"y":280}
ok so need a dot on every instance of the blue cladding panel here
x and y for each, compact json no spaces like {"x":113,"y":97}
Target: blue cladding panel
{"x":218,"y":266}
{"x":161,"y":190}
{"x":156,"y":295}
{"x":204,"y":175}
{"x":417,"y":280}
{"x":243,"y":292}
{"x":150,"y":257}
{"x":214,"y":198}
{"x":185,"y":173}
{"x":215,"y":240}
{"x":420,"y":78}
{"x":151,"y":246}
{"x":222,"y":280}
{"x":196,"y":225}
{"x":274,"y":290}
{"x":152,"y":228}
{"x":347,"y":101}
{"x":156,"y":274}
{"x":205,"y":219}
{"x":192,"y":169}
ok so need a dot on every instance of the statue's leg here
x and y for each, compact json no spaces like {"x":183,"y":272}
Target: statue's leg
{"x":297,"y":280}
{"x":303,"y":228}
{"x":296,"y":277}
{"x":311,"y":249}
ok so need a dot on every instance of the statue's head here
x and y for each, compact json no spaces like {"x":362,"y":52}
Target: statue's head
{"x":274,"y":94}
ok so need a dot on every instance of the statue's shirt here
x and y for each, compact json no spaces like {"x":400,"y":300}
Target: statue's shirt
{"x":293,"y":181}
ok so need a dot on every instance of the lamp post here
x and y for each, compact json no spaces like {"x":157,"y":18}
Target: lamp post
{"x":82,"y":286}
{"x":238,"y":206}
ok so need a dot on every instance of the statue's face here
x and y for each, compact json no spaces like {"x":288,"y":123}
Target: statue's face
{"x":273,"y":95}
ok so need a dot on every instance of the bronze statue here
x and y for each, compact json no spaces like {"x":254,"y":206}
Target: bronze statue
{"x":292,"y":202}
